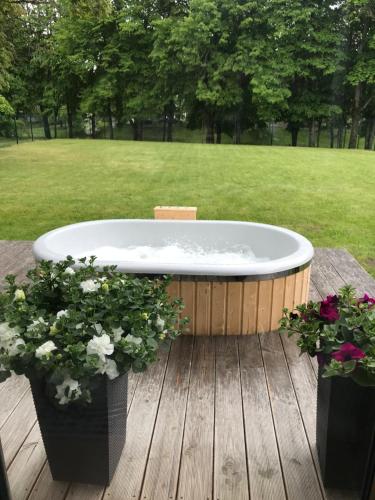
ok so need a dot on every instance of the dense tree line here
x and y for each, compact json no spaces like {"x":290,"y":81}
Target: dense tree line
{"x":226,"y":65}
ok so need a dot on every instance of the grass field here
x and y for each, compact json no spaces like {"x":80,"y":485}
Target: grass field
{"x":327,"y":195}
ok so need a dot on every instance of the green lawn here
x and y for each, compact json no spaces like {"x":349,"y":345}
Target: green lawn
{"x":327,"y":195}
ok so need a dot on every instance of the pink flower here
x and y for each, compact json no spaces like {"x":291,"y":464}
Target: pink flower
{"x":347,"y":352}
{"x":328,"y":308}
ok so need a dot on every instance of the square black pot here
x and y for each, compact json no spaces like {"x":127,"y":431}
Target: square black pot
{"x":84,"y":443}
{"x":345,"y":426}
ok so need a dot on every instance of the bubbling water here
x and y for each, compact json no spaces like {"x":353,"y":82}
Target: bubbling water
{"x":176,"y":254}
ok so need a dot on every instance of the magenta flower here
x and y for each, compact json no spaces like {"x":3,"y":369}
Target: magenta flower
{"x":328,"y":308}
{"x":347,"y":352}
{"x":366,"y":299}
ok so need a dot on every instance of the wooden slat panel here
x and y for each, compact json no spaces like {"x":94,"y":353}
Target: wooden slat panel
{"x":264,"y":306}
{"x":218,"y":308}
{"x":250,"y":307}
{"x":195,"y":481}
{"x":297,"y":463}
{"x":127,"y":481}
{"x":305,"y":286}
{"x":290,"y":282}
{"x":265,"y":475}
{"x":179,"y":213}
{"x":173,"y":289}
{"x":298,"y":289}
{"x":234,"y":308}
{"x":188,"y":296}
{"x":203,"y":308}
{"x":324,"y":275}
{"x":161,"y":477}
{"x":230,"y":473}
{"x":277,"y":302}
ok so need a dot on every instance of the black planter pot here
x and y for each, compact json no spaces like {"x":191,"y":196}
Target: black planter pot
{"x":84,"y":443}
{"x":345,"y":426}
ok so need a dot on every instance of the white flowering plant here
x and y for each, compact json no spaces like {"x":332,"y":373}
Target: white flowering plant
{"x":72,"y":322}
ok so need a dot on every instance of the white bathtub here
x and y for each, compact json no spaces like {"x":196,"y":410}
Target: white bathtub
{"x":222,"y":297}
{"x":284,"y":251}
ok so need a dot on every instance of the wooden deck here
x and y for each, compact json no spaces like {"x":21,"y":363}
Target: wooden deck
{"x":215,"y":418}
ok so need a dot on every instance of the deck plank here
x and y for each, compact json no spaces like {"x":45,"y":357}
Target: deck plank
{"x":195,"y":479}
{"x":128,"y":479}
{"x":230,"y":463}
{"x":161,"y":478}
{"x":265,"y":474}
{"x":298,"y":467}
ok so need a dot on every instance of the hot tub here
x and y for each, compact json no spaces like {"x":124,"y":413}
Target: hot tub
{"x":234,"y":277}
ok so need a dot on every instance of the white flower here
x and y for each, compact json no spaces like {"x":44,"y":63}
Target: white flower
{"x":117,"y":332}
{"x":109,"y":367}
{"x":73,"y":392}
{"x":133,"y":340}
{"x":101,"y":346}
{"x":19,"y":295}
{"x":79,"y":326}
{"x":13,"y":349}
{"x":89,"y":286}
{"x":99,"y":328}
{"x":69,"y":270}
{"x":36,"y":323}
{"x":7,"y":335}
{"x":62,"y":313}
{"x":160,"y":323}
{"x":45,"y":349}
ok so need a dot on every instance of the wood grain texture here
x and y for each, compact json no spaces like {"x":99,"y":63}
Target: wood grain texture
{"x":265,"y":474}
{"x":177,"y":213}
{"x":298,"y":466}
{"x":250,"y":308}
{"x":128,"y":479}
{"x":161,"y":478}
{"x":234,"y":308}
{"x":230,"y":471}
{"x":27,"y":465}
{"x":188,"y":294}
{"x":195,"y":482}
{"x":278,"y":292}
{"x":219,"y":308}
{"x":203,"y":308}
{"x":264,"y":306}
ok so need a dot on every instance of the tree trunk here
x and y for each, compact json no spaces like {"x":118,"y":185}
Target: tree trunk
{"x":294,"y":129}
{"x":46,"y":127}
{"x":134,"y":125}
{"x":318,"y":133}
{"x":210,"y":129}
{"x":164,"y":127}
{"x":271,"y":134}
{"x":55,"y":114}
{"x":370,"y":134}
{"x":31,"y":128}
{"x":218,"y":133}
{"x":237,"y":130}
{"x":340,"y":135}
{"x":69,"y":114}
{"x":110,"y":123}
{"x":356,"y":117}
{"x":169,"y":128}
{"x":93,"y":126}
{"x":331,"y":135}
{"x":16,"y":129}
{"x":311,"y":142}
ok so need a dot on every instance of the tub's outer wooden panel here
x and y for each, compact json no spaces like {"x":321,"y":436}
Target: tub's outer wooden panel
{"x":239,"y":308}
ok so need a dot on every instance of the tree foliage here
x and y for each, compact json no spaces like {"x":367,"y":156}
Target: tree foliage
{"x":225,"y":64}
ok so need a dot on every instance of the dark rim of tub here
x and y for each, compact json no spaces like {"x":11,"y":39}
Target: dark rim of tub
{"x":205,"y":277}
